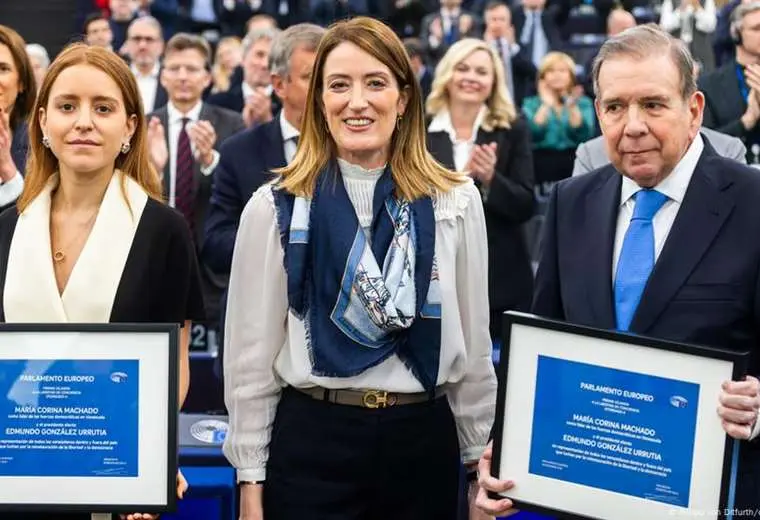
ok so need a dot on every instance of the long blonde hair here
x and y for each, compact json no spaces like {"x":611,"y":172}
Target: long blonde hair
{"x":501,"y":111}
{"x":135,"y":163}
{"x":415,"y":173}
{"x":219,"y":73}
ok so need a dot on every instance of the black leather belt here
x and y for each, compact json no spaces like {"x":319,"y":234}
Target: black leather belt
{"x":369,"y":398}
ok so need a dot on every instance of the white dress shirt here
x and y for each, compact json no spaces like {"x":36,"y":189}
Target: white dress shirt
{"x":10,"y":191}
{"x":289,"y":135}
{"x":266,"y":347}
{"x":705,"y":19}
{"x":147,"y":85}
{"x":462,"y":147}
{"x":674,"y":186}
{"x":175,"y":126}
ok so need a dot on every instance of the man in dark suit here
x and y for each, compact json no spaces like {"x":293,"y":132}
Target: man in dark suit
{"x":732,"y":93}
{"x":663,"y":243}
{"x":234,"y":15}
{"x":441,"y":29}
{"x":184,"y":139}
{"x":252,"y":98}
{"x":144,"y":46}
{"x":248,"y":158}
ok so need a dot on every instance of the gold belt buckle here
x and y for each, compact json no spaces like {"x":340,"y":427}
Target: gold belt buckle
{"x":378,"y":399}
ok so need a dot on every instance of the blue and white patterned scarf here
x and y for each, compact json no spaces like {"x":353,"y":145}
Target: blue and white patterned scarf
{"x":356,"y":314}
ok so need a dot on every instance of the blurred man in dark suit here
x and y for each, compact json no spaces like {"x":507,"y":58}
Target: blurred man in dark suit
{"x":184,"y":139}
{"x":143,"y":49}
{"x":252,"y":98}
{"x":732,"y":92}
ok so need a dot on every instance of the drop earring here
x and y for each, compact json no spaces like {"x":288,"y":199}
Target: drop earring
{"x":45,"y":141}
{"x":125,"y":147}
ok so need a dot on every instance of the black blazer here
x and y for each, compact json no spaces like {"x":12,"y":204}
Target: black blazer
{"x":508,"y":203}
{"x":725,"y":105}
{"x":159,"y":283}
{"x":703,"y":289}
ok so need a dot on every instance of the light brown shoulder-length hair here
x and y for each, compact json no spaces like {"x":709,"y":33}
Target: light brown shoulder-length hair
{"x":135,"y":163}
{"x":27,"y":92}
{"x":501,"y":110}
{"x":415,"y":173}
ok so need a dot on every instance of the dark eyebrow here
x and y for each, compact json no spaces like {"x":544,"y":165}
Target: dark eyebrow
{"x":367,"y":75}
{"x":610,"y":101}
{"x":657,"y":99}
{"x":72,"y":97}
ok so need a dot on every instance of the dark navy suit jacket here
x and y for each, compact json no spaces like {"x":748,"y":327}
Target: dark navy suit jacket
{"x":245,"y":164}
{"x":705,"y":286}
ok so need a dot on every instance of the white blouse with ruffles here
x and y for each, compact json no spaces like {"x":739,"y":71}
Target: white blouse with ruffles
{"x":265,"y":344}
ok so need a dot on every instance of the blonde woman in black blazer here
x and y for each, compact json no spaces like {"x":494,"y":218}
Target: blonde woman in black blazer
{"x":476,"y":130}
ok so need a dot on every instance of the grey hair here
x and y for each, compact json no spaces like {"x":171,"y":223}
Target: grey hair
{"x":38,"y":51}
{"x":737,"y":17}
{"x":155,"y":24}
{"x":646,"y":41}
{"x":263,"y":33}
{"x":305,"y":35}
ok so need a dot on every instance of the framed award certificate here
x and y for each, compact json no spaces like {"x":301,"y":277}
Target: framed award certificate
{"x":88,"y":417}
{"x":611,"y":426}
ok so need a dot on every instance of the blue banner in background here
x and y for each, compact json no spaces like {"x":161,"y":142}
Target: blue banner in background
{"x":615,"y":430}
{"x":70,"y":418}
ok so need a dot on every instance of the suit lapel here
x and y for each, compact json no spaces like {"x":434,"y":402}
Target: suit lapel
{"x":275,"y":151}
{"x":704,"y":210}
{"x":602,"y":205}
{"x":163,"y":116}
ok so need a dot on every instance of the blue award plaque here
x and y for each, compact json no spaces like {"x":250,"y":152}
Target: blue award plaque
{"x":615,"y":430}
{"x":69,"y":418}
{"x":598,"y":424}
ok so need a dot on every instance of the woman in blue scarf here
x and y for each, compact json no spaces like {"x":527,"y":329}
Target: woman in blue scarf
{"x":357,"y":361}
{"x":18,"y":91}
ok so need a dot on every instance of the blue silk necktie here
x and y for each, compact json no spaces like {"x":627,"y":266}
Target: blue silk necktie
{"x":636,"y":257}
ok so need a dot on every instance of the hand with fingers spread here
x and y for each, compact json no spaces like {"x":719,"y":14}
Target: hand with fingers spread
{"x":203,"y":137}
{"x":258,"y":108}
{"x":739,"y":403}
{"x":7,"y":166}
{"x":159,"y":153}
{"x":486,"y":482}
{"x":482,"y":163}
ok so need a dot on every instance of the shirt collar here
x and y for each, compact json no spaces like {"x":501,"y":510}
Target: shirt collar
{"x":675,"y":184}
{"x":175,"y":116}
{"x":442,"y":123}
{"x":153,"y":74}
{"x":288,"y":131}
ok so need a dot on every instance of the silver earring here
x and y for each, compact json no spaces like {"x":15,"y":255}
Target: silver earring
{"x":125,"y":147}
{"x":45,"y":141}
